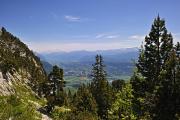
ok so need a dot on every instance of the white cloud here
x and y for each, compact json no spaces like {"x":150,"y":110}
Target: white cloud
{"x":112,"y":36}
{"x":72,"y":18}
{"x":137,"y":37}
{"x":100,"y":35}
{"x":107,"y":36}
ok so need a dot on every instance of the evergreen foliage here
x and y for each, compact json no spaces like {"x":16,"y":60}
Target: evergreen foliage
{"x":56,"y":80}
{"x":84,"y":101}
{"x":100,"y":88}
{"x":56,"y":94}
{"x":155,"y":80}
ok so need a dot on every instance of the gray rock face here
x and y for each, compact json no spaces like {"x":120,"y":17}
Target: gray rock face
{"x":6,"y":85}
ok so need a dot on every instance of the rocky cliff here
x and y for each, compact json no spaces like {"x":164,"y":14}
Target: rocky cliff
{"x":18,"y":64}
{"x":22,"y":80}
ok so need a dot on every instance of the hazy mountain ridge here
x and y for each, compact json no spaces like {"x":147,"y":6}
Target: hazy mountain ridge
{"x":119,"y":62}
{"x":76,"y":56}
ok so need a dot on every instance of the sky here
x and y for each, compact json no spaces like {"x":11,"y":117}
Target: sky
{"x":70,"y":25}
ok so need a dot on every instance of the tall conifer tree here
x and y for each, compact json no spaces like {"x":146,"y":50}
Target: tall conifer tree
{"x":151,"y":64}
{"x":100,"y":88}
{"x":56,"y":96}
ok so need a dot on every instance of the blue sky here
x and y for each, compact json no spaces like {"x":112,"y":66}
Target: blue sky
{"x":68,"y":25}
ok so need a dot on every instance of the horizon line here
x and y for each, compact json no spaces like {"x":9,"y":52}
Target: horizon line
{"x":85,"y":50}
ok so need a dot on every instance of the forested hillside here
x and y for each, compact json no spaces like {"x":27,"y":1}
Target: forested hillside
{"x":22,"y":79}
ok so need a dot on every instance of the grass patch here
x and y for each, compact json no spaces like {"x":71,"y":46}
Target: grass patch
{"x":22,"y":105}
{"x":13,"y":107}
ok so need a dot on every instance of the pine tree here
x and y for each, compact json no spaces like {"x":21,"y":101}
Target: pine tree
{"x":57,"y":81}
{"x":56,"y":95}
{"x":153,"y":56}
{"x":152,"y":61}
{"x":100,"y":88}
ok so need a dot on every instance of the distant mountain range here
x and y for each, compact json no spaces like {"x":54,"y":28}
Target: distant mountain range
{"x":116,"y":55}
{"x":119,"y":62}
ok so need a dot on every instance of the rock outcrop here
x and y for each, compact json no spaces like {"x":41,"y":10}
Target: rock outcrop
{"x":18,"y":64}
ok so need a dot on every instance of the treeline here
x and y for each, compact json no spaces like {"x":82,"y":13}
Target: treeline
{"x":152,"y":93}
